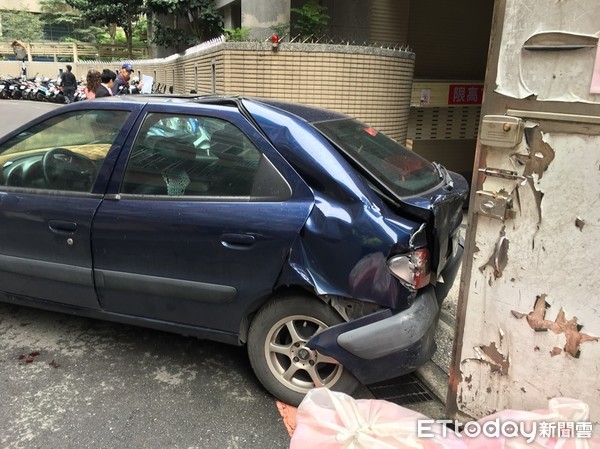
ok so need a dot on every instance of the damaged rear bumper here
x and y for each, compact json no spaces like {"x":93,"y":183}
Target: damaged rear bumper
{"x":382,"y":346}
{"x":385,"y":345}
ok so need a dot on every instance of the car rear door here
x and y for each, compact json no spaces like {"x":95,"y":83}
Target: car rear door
{"x":53,"y":177}
{"x":201,"y":214}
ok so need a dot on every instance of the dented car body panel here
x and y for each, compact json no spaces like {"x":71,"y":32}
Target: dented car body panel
{"x":399,"y":338}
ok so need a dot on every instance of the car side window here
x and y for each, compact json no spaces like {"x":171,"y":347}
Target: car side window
{"x":180,"y":155}
{"x":64,"y":152}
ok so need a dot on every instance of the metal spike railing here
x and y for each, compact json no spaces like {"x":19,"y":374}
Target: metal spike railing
{"x":337,"y":40}
{"x":297,"y":39}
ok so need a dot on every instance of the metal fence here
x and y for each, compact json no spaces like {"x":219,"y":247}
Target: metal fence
{"x":72,"y":51}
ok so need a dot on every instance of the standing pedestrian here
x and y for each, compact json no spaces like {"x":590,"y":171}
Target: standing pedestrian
{"x":108,"y":81}
{"x":92,"y":81}
{"x":68,"y":84}
{"x":122,"y":82}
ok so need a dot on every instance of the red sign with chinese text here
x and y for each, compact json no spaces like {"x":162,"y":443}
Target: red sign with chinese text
{"x":465,"y":93}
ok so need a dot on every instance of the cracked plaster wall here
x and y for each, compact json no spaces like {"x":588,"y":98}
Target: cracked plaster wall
{"x":553,"y":253}
{"x":542,"y":74}
{"x":529,"y":308}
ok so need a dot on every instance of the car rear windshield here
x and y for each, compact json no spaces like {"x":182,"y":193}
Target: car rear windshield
{"x":396,"y":167}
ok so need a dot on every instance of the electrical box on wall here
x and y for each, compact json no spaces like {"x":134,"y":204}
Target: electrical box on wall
{"x":501,"y":131}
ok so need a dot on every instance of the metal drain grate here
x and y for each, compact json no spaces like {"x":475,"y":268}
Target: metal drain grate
{"x":402,"y":390}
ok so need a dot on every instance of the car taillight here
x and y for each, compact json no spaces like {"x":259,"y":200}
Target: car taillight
{"x":411,"y":268}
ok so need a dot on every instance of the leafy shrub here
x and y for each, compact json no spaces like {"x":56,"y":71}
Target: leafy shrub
{"x":237,"y":34}
{"x":311,"y":19}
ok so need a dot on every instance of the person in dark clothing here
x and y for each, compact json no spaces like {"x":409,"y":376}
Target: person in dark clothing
{"x":108,"y":81}
{"x":122,"y":82}
{"x":68,"y":83}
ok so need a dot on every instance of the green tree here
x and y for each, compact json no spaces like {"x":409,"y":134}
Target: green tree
{"x":21,"y":25}
{"x":140,"y":31}
{"x":59,"y":13}
{"x":113,"y":14}
{"x":200,"y":16}
{"x":311,"y":19}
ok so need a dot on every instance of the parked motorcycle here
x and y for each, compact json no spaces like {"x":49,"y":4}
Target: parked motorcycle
{"x":7,"y":87}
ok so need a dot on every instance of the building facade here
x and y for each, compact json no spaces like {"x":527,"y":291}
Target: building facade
{"x":450,"y":41}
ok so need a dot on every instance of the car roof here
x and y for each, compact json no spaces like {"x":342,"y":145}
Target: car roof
{"x":311,"y":114}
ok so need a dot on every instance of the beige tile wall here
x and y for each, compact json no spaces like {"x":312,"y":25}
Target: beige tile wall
{"x":369,"y":83}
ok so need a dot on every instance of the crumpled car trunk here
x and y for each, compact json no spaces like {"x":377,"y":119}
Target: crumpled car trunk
{"x":442,"y":210}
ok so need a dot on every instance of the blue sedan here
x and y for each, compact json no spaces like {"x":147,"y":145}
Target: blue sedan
{"x":323,"y":246}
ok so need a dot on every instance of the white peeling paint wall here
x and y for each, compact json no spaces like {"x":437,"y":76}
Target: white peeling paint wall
{"x":523,"y":72}
{"x":529,"y":313}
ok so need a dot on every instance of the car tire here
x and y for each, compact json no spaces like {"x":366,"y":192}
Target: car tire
{"x":278,"y":354}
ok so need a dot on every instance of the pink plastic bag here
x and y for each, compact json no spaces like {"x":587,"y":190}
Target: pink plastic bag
{"x":563,"y":425}
{"x":331,"y":420}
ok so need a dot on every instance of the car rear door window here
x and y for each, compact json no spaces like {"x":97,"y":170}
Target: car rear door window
{"x":64,"y":152}
{"x":182,"y":155}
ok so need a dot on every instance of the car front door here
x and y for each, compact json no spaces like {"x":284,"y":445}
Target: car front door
{"x":200,"y":223}
{"x":52,"y":179}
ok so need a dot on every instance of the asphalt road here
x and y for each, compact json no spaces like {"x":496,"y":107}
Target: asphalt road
{"x":69,"y":382}
{"x":15,"y":113}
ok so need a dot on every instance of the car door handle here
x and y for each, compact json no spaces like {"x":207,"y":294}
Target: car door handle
{"x":62,"y":227}
{"x":237,"y":241}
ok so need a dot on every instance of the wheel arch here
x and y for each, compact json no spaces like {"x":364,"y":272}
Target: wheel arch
{"x":279,"y":293}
